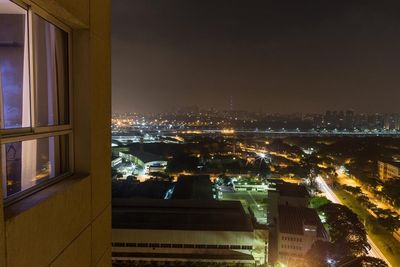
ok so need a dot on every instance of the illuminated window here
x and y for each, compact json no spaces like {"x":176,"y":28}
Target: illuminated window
{"x":34,"y":114}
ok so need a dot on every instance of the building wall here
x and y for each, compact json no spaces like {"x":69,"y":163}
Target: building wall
{"x":388,"y":171}
{"x":293,"y":201}
{"x":182,"y":237}
{"x":181,"y":241}
{"x":296,"y":244}
{"x":291,"y":244}
{"x":69,"y":223}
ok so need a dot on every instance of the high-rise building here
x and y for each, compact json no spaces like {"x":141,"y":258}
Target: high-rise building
{"x":55,"y":110}
{"x":397,"y":122}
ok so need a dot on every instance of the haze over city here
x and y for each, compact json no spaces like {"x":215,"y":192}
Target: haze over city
{"x":270,"y":56}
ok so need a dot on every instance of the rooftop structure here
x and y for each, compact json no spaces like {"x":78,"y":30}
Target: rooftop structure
{"x":193,"y":187}
{"x":184,"y":231}
{"x":292,"y":190}
{"x":293,"y":220}
{"x":180,"y":215}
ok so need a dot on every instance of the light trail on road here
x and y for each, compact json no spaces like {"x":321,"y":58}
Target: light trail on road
{"x":374,"y":251}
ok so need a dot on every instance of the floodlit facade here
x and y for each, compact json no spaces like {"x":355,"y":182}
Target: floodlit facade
{"x":298,"y":229}
{"x":55,"y":106}
{"x":388,"y":171}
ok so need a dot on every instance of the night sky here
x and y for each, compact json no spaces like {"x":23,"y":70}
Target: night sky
{"x":270,"y":56}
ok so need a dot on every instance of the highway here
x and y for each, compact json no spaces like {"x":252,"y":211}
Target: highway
{"x":374,"y":251}
{"x":269,"y":133}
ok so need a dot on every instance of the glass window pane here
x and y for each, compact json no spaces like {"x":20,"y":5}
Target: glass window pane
{"x":28,"y":163}
{"x":51,"y":73}
{"x":14,"y":66}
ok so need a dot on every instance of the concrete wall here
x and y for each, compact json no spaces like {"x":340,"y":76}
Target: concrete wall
{"x":183,"y":237}
{"x":69,"y":223}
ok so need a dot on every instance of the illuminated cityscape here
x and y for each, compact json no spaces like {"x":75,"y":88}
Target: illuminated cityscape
{"x":275,"y":174}
{"x":255,"y":133}
{"x":332,"y":122}
{"x":201,"y":133}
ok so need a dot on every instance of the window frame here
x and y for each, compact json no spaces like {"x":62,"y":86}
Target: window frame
{"x":35,"y":132}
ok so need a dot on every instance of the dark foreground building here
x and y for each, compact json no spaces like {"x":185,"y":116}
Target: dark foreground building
{"x":179,"y":231}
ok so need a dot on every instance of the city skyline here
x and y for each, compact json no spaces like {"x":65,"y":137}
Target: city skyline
{"x":268,"y":56}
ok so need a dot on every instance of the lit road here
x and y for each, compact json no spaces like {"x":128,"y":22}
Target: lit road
{"x":271,"y":133}
{"x":375,"y":251}
{"x":347,"y":180}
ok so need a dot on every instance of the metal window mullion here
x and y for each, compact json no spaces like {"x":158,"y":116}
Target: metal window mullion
{"x":34,"y":132}
{"x":12,"y":139}
{"x":52,"y":128}
{"x":70,"y":82}
{"x":71,"y":148}
{"x":32,"y":70}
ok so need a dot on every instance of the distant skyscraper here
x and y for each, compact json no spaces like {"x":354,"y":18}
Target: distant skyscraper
{"x":386,"y":122}
{"x":397,"y":122}
{"x":349,"y":119}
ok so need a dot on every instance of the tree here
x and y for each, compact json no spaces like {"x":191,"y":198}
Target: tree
{"x":319,"y":254}
{"x":182,"y":162}
{"x":372,"y":262}
{"x":346,"y":230}
{"x":317,"y":201}
{"x":390,"y":223}
{"x":365,"y":261}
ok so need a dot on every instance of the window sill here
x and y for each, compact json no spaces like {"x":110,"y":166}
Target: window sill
{"x":41,"y":196}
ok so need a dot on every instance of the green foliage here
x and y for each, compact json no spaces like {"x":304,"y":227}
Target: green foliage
{"x":346,"y":230}
{"x":181,"y":163}
{"x":318,"y":201}
{"x":381,"y":237}
{"x":390,"y":223}
{"x":392,"y":190}
{"x":352,"y":189}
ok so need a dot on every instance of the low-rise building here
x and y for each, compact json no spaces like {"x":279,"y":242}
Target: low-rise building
{"x":293,"y":226}
{"x":388,"y":170}
{"x":298,"y":229}
{"x":186,"y":230}
{"x":286,"y":194}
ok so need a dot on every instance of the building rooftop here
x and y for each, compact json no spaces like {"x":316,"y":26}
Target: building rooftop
{"x":193,"y":187}
{"x":146,"y":156}
{"x":395,"y":163}
{"x":293,"y":219}
{"x":292,"y":190}
{"x":199,"y":215}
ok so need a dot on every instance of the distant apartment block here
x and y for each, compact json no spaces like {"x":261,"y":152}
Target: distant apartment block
{"x":388,"y":170}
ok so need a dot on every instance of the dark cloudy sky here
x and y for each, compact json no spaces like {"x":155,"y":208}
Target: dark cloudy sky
{"x":272,"y":56}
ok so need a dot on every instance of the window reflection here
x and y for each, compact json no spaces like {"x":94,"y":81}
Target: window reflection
{"x":31,"y":162}
{"x":14,"y":65}
{"x":51,"y":73}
